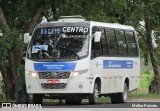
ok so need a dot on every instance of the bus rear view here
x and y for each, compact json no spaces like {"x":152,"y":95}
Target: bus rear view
{"x":60,"y":63}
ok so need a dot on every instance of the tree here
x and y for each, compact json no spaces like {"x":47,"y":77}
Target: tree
{"x":151,"y":19}
{"x":16,"y":18}
{"x":148,"y":12}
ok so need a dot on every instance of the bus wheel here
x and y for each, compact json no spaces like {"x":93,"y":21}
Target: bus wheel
{"x":120,"y":97}
{"x":37,"y":98}
{"x":124,"y":95}
{"x":114,"y":98}
{"x":94,"y":97}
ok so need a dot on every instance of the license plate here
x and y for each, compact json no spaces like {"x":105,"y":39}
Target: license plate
{"x":53,"y":81}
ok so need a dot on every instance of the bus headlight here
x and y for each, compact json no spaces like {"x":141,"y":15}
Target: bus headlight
{"x":77,"y":73}
{"x":33,"y":74}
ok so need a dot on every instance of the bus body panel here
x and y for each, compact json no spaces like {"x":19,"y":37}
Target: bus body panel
{"x":113,"y":78}
{"x":73,"y":83}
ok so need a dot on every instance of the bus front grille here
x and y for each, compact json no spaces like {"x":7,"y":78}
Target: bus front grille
{"x":54,"y":75}
{"x":53,"y":86}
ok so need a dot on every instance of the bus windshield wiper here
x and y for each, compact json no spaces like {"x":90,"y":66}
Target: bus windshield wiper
{"x":47,"y":52}
{"x":70,"y":51}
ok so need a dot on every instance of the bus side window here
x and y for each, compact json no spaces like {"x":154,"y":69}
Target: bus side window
{"x":104,"y":43}
{"x":112,"y":42}
{"x":96,"y":46}
{"x":132,"y":48}
{"x":122,"y":43}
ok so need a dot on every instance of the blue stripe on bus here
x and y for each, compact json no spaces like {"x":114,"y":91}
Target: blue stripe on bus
{"x":117,"y":64}
{"x":52,"y":66}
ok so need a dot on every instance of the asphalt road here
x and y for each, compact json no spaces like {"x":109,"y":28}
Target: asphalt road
{"x":153,"y":105}
{"x":82,"y":109}
{"x":105,"y":105}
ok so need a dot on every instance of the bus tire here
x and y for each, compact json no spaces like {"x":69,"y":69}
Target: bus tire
{"x":124,"y":95}
{"x":120,"y":97}
{"x":94,"y":97}
{"x":114,"y":98}
{"x":38,"y":98}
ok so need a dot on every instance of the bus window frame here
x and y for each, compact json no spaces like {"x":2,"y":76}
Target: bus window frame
{"x":135,"y":41}
{"x":126,"y":40}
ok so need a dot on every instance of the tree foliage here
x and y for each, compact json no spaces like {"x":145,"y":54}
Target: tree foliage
{"x":16,"y":17}
{"x":21,"y":16}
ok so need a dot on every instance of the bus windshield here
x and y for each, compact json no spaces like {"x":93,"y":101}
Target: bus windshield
{"x":59,"y":43}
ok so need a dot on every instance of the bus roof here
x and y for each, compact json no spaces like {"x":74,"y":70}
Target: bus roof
{"x":111,"y":25}
{"x":85,"y":23}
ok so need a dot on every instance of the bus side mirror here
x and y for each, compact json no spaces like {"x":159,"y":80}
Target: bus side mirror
{"x":97,"y":36}
{"x":27,"y":38}
{"x":1,"y":34}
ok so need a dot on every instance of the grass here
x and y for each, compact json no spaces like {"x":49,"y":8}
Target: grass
{"x":104,"y":99}
{"x":142,"y":92}
{"x":146,"y":78}
{"x":4,"y":100}
{"x":144,"y":96}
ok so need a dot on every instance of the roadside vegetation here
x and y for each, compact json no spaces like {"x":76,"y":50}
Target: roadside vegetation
{"x":143,"y":91}
{"x":146,"y":75}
